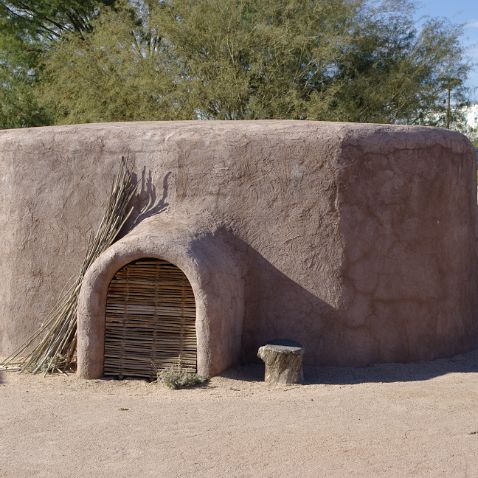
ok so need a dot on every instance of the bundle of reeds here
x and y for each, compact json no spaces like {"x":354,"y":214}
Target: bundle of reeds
{"x":52,"y":348}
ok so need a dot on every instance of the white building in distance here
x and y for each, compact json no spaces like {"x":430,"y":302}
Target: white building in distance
{"x":471,"y":116}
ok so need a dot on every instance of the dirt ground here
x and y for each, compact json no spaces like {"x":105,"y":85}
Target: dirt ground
{"x":388,"y":420}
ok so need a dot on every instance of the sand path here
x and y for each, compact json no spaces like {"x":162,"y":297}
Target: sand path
{"x":389,"y":420}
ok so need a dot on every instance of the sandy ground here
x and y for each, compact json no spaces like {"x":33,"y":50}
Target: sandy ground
{"x":388,"y":420}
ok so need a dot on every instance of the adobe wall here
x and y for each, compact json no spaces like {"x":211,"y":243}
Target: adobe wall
{"x":356,"y":240}
{"x":408,"y":213}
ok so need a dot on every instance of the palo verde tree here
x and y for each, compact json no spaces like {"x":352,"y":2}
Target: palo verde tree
{"x":358,"y":60}
{"x":28,"y":28}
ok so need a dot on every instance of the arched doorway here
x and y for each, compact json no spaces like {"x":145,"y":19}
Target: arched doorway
{"x":150,"y":320}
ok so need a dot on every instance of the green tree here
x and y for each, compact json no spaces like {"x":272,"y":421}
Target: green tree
{"x":48,"y":19}
{"x":347,"y":60}
{"x":117,"y":72}
{"x":27,"y":29}
{"x":211,"y":59}
{"x":18,"y":106}
{"x":391,"y":72}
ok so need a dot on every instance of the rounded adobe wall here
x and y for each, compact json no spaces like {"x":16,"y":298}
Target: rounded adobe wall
{"x":356,"y":240}
{"x":214,"y":276}
{"x":408,"y":215}
{"x":269,"y":183}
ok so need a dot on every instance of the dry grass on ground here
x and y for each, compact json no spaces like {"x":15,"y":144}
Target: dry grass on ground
{"x":389,"y":420}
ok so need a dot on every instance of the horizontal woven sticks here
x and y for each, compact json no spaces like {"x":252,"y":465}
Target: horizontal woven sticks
{"x":150,"y":320}
{"x":52,"y":348}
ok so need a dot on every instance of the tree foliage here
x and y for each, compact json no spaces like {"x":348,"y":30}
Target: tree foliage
{"x":17,"y":101}
{"x":117,"y":72}
{"x":28,"y":28}
{"x":48,"y":19}
{"x":345,"y":60}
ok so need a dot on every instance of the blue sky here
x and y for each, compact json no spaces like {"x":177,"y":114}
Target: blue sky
{"x":463,"y":12}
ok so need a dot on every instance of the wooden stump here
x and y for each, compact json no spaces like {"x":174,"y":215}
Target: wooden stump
{"x":283,"y":360}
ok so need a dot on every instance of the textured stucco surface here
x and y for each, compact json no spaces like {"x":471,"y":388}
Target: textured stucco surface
{"x":356,"y":240}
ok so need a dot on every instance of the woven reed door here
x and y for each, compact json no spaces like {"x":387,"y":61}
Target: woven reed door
{"x":150,"y":320}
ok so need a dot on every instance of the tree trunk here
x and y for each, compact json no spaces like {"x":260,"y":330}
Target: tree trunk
{"x":283,"y":362}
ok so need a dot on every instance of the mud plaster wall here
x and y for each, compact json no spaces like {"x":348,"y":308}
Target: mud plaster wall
{"x":356,"y":240}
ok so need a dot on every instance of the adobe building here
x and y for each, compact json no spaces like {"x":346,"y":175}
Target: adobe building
{"x":356,"y":240}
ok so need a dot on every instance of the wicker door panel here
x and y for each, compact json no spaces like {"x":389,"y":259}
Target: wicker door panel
{"x":150,"y":320}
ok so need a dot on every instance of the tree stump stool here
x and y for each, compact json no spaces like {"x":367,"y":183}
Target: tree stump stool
{"x":283,"y":360}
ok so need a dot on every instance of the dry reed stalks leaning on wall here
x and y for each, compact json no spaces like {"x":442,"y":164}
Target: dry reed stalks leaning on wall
{"x":52,"y":348}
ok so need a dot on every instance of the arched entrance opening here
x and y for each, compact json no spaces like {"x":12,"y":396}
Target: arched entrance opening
{"x":150,"y":320}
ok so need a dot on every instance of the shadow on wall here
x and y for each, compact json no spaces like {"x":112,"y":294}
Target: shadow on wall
{"x":146,"y":202}
{"x":277,"y":307}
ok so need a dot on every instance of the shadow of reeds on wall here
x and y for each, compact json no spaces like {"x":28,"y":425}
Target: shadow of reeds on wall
{"x":146,"y":202}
